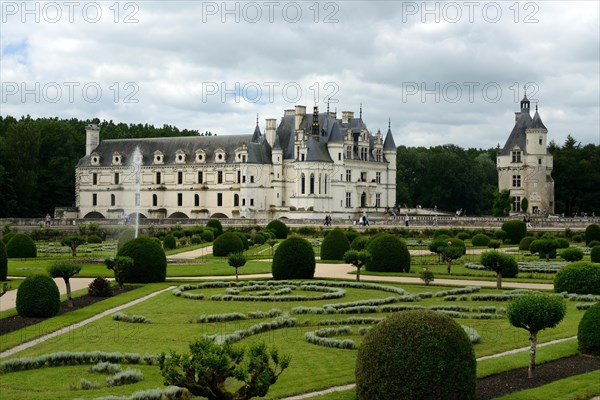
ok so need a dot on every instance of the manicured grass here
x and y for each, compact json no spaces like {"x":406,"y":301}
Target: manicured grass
{"x":187,"y":248}
{"x":218,"y":267}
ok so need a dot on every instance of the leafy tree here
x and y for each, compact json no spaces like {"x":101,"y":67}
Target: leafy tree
{"x":437,"y":246}
{"x":426,"y":276}
{"x":358,"y":259}
{"x":535,"y":312}
{"x":208,"y":365}
{"x":73,"y":242}
{"x":545,"y":247}
{"x":66,"y":271}
{"x":501,"y":264}
{"x":502,"y":203}
{"x":119,"y":265}
{"x":452,"y":252}
{"x":236,"y":260}
{"x":524,"y":204}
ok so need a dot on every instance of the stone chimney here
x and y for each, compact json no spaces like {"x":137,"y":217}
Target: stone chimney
{"x":347,"y":116}
{"x":300,"y":112}
{"x":92,"y":138}
{"x":270,"y":134}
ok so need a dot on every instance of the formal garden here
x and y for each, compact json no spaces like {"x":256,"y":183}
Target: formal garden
{"x":401,"y":314}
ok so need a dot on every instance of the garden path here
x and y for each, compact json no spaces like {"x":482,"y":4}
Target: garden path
{"x":9,"y":299}
{"x":192,"y":254}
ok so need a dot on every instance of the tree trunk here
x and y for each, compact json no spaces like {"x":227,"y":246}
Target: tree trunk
{"x":69,"y":299}
{"x":357,"y":274}
{"x":449,"y":265}
{"x":74,"y":251}
{"x":533,"y":339}
{"x":499,"y":280}
{"x":236,"y":274}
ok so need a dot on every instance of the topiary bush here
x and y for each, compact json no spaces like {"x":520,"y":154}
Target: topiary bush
{"x":94,"y":239}
{"x":572,"y":254}
{"x":500,"y":234}
{"x":279,"y":228}
{"x":125,"y":236}
{"x":463,"y":236}
{"x":216,"y":226}
{"x":100,"y":287}
{"x":578,"y":238}
{"x":227,"y":243}
{"x":351,"y":235}
{"x":294,"y":258}
{"x":149,"y":261}
{"x":480,"y":240}
{"x":580,"y":277}
{"x":334,"y":245}
{"x":3,"y":262}
{"x":515,"y":230}
{"x":595,"y":254}
{"x":442,"y":232}
{"x":359,"y":243}
{"x":594,"y":243}
{"x":208,"y":235}
{"x":388,"y":254}
{"x":21,"y":246}
{"x":494,"y":244}
{"x":592,"y":232}
{"x":7,"y":236}
{"x":562,"y":243}
{"x":416,"y":355}
{"x":259,"y":238}
{"x":38,"y":296}
{"x":526,"y":242}
{"x":169,"y":242}
{"x":587,"y":332}
{"x":244,"y":239}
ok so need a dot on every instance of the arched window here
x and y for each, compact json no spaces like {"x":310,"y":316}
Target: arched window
{"x":312,"y":183}
{"x":236,"y":200}
{"x":325,"y":185}
{"x":112,"y":199}
{"x":154,"y":200}
{"x":303,"y":184}
{"x":196,"y":200}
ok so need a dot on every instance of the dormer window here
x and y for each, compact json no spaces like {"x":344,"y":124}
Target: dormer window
{"x":117,"y":158}
{"x":516,"y":156}
{"x":180,"y":157}
{"x":159,"y":157}
{"x":95,"y":158}
{"x":200,"y":156}
{"x":241,"y":154}
{"x":219,"y":156}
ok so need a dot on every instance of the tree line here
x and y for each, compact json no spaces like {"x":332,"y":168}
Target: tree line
{"x":38,"y":159}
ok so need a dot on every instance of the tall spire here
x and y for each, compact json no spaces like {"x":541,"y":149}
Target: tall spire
{"x":360,"y":112}
{"x":328,"y":106}
{"x":525,"y":103}
{"x":315,"y":122}
{"x":389,"y":123}
{"x":256,"y":118}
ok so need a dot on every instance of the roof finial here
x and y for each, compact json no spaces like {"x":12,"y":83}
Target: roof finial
{"x":360,"y":112}
{"x":328,"y":106}
{"x":389,"y":123}
{"x":256,"y":118}
{"x":536,"y":106}
{"x":525,"y":90}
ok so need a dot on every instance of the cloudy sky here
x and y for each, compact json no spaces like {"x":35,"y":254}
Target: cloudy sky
{"x":443,"y":72}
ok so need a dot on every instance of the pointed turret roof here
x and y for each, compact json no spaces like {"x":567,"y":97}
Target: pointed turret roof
{"x":277,"y":143}
{"x":537,"y":121}
{"x":389,"y":138}
{"x":256,"y":135}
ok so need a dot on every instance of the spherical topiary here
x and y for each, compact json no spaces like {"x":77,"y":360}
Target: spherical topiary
{"x":208,"y":235}
{"x":351,"y":235}
{"x":169,"y":242}
{"x":480,"y":240}
{"x":572,"y":254}
{"x":595,"y":254}
{"x":279,"y":228}
{"x":3,"y":262}
{"x":442,"y":232}
{"x":388,"y":254}
{"x":259,"y":238}
{"x":500,"y":234}
{"x":578,"y":238}
{"x":580,"y":277}
{"x":149,"y":261}
{"x":463,"y":236}
{"x":494,"y":244}
{"x":334,"y":245}
{"x":562,"y":243}
{"x":592,"y":232}
{"x":359,"y":243}
{"x":215,"y":224}
{"x":178,"y":233}
{"x":21,"y":246}
{"x":38,"y":296}
{"x":94,"y":239}
{"x":526,"y":242}
{"x":587,"y":332}
{"x":244,"y":239}
{"x":227,"y":243}
{"x":416,"y":355}
{"x":125,"y":236}
{"x":6,"y":238}
{"x":515,"y":230}
{"x":294,"y":258}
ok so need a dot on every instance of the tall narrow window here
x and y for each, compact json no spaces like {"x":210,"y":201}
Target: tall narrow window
{"x":179,"y":177}
{"x":220,"y":199}
{"x":154,"y":200}
{"x":239,"y":176}
{"x":312,"y":183}
{"x":378,"y":177}
{"x":516,"y":206}
{"x":516,"y":156}
{"x":196,"y":200}
{"x":516,"y":181}
{"x":158,"y":178}
{"x":179,"y":199}
{"x":116,"y":178}
{"x":219,"y":176}
{"x":94,"y":199}
{"x":302,"y":184}
{"x":325,"y":185}
{"x":137,"y":199}
{"x":348,"y":175}
{"x":348,"y":199}
{"x":377,"y":199}
{"x":94,"y":178}
{"x":236,"y":200}
{"x":200,"y":177}
{"x":348,"y":152}
{"x":112,"y":200}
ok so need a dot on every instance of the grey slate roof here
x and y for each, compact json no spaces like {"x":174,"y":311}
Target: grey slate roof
{"x":259,"y":153}
{"x":517,"y":136}
{"x":388,"y":143}
{"x":168,"y":146}
{"x":537,"y":122}
{"x":317,"y":151}
{"x":256,"y":135}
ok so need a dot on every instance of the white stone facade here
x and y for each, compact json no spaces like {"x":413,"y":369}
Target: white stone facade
{"x":305,"y":167}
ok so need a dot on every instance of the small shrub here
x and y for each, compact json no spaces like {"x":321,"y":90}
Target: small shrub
{"x":227,"y":243}
{"x":587,"y":332}
{"x":294,"y":259}
{"x":359,"y":243}
{"x":178,"y":233}
{"x":244,"y":239}
{"x":334,"y":245}
{"x":351,"y":235}
{"x":494,"y":244}
{"x":105,"y":367}
{"x":515,"y":230}
{"x":196,"y":239}
{"x":442,"y":233}
{"x":94,"y":239}
{"x":388,"y":254}
{"x":480,"y":240}
{"x":259,"y":239}
{"x":38,"y":296}
{"x":592,"y":232}
{"x":500,"y":234}
{"x":595,"y":254}
{"x":127,"y":377}
{"x":526,"y":242}
{"x":572,"y":254}
{"x":149,"y":261}
{"x":215,"y":224}
{"x":208,"y":235}
{"x":578,"y":238}
{"x":100,"y":287}
{"x":169,"y":242}
{"x":85,"y":384}
{"x":21,"y":246}
{"x":562,"y":243}
{"x":433,"y":352}
{"x":463,"y":236}
{"x":426,"y":276}
{"x":3,"y":262}
{"x":580,"y":277}
{"x":279,"y":228}
{"x":594,"y":243}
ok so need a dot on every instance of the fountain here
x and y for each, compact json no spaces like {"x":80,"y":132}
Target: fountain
{"x":136,"y":166}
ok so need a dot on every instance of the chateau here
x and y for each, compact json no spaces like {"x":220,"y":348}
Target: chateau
{"x":307,"y":166}
{"x":524,"y":164}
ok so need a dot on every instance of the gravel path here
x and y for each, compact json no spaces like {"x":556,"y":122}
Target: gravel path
{"x":192,"y":254}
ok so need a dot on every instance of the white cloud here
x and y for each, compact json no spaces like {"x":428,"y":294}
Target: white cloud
{"x":180,"y":58}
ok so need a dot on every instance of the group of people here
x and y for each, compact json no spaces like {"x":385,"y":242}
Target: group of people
{"x":327,"y":220}
{"x":364,"y":220}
